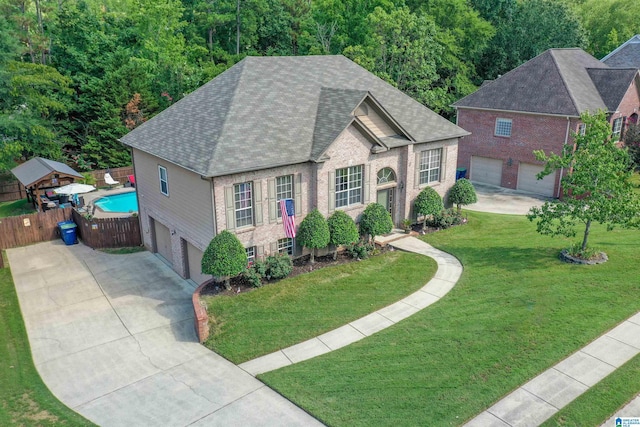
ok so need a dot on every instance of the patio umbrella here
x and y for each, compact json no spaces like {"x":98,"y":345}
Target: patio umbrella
{"x":74,"y":188}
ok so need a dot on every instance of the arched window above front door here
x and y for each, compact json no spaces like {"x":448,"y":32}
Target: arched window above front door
{"x":386,"y":175}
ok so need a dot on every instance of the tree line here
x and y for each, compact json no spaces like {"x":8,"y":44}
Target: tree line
{"x":76,"y":75}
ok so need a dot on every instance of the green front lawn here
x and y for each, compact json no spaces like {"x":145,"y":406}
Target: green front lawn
{"x":19,"y":207}
{"x":24,"y":399}
{"x":293,"y":310}
{"x":516,"y":311}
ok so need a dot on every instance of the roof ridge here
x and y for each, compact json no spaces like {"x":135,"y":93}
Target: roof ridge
{"x":616,"y":50}
{"x":564,"y":82}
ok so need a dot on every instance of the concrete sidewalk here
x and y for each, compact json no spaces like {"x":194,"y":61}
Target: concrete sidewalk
{"x":112,"y":336}
{"x":540,"y":398}
{"x":449,"y":271}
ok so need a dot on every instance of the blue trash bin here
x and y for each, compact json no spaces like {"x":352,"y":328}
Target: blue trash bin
{"x":68,"y":232}
{"x":461,"y":173}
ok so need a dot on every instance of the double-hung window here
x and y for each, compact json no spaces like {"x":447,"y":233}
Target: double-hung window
{"x":243,"y":204}
{"x":430,"y":165}
{"x":582,"y":129}
{"x":503,"y":127}
{"x":284,"y":190}
{"x":251,"y":255}
{"x":348,"y":186}
{"x":617,"y":128}
{"x":164,"y":180}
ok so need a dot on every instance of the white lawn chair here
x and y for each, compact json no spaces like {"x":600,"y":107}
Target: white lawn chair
{"x":109,"y":180}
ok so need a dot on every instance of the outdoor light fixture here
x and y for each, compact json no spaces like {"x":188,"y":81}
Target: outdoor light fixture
{"x":510,"y":161}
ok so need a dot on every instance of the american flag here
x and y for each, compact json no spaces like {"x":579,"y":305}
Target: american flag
{"x":288,"y":217}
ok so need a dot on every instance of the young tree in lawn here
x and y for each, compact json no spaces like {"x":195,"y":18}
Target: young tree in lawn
{"x":313,"y":232}
{"x":375,"y":221}
{"x":225,"y":257}
{"x":342,"y":230}
{"x":428,"y":203}
{"x":596,"y":187}
{"x":462,"y":193}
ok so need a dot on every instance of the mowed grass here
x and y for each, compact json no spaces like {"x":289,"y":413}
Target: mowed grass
{"x":516,"y":311}
{"x":24,"y":399}
{"x":603,"y":400}
{"x":19,"y":207}
{"x":293,"y":310}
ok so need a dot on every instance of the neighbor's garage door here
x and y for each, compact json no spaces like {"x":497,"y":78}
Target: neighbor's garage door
{"x":194,"y":257}
{"x":486,"y":170}
{"x":163,"y":241}
{"x":527,"y":180}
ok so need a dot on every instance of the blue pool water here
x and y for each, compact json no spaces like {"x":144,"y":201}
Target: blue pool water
{"x":125,"y":202}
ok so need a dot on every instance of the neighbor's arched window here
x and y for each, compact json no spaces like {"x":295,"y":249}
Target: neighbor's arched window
{"x":386,"y":175}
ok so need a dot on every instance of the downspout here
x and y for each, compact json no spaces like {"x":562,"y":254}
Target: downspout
{"x":213,"y":208}
{"x":566,"y":140}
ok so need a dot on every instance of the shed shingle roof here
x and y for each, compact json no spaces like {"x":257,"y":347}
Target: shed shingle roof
{"x":558,"y":81}
{"x":273,"y":111}
{"x":35,"y":169}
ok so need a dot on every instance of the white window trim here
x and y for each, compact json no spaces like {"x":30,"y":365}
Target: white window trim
{"x":501,"y":124}
{"x":250,"y":208}
{"x":616,"y":127}
{"x":279,"y":194}
{"x":425,"y":166}
{"x":165,"y":180}
{"x":251,"y":255}
{"x":582,"y":129}
{"x":351,"y":172}
{"x":285,"y":246}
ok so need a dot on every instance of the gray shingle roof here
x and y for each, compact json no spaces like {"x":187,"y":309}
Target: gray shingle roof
{"x":612,"y":84}
{"x":37,"y":168}
{"x":627,"y":55}
{"x":272,"y":111}
{"x":557,"y":81}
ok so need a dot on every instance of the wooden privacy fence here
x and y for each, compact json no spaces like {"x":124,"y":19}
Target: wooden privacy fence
{"x":119,"y":174}
{"x":33,"y":228}
{"x":108,"y":232}
{"x":11,"y":190}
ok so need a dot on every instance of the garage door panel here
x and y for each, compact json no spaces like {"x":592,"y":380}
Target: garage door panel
{"x":163,"y":241}
{"x":486,"y":170}
{"x":528,"y":181}
{"x":194,"y":261}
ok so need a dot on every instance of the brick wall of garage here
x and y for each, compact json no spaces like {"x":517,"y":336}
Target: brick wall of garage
{"x":529,"y":132}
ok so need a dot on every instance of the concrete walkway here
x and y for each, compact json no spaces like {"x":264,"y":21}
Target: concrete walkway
{"x":449,"y":271}
{"x":540,"y":398}
{"x":112,"y":336}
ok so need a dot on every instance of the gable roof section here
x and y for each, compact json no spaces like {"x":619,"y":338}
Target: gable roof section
{"x":612,"y":84}
{"x":627,"y":55}
{"x":33,"y":170}
{"x":271,"y":111}
{"x":554,"y":82}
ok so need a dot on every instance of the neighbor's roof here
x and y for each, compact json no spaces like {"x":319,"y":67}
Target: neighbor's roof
{"x":273,"y":111}
{"x":37,"y":168}
{"x":627,"y":55}
{"x":565,"y":82}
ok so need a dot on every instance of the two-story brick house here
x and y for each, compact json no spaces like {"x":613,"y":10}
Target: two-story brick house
{"x":320,"y":130}
{"x":537,"y":106}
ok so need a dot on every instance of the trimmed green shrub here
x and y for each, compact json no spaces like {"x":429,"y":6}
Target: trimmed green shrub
{"x":375,"y":221}
{"x":445,"y":219}
{"x":428,"y":203}
{"x":360,"y":249}
{"x":252,"y":276}
{"x":313,"y":232}
{"x":462,"y":193}
{"x":342,"y":230}
{"x":278,"y":266}
{"x":225,"y":257}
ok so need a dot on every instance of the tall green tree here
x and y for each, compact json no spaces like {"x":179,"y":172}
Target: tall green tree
{"x":596,"y":188}
{"x":610,"y":24}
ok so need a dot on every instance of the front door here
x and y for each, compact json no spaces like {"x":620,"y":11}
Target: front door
{"x":386,"y":199}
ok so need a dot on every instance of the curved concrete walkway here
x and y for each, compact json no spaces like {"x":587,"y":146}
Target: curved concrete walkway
{"x":449,"y":271}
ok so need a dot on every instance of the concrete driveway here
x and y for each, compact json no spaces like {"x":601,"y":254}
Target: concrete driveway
{"x":504,"y":200}
{"x":113,"y":338}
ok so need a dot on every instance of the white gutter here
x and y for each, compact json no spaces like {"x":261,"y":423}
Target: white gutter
{"x":566,"y":140}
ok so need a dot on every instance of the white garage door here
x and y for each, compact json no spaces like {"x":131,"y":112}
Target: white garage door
{"x":163,"y":241}
{"x":486,"y":170}
{"x":527,"y":180}
{"x":194,"y":258}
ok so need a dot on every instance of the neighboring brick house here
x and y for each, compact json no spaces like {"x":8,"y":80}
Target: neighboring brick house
{"x":627,"y":55}
{"x":320,"y":130}
{"x":538,"y":106}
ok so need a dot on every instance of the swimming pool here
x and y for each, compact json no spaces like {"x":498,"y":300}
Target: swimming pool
{"x":125,"y":202}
